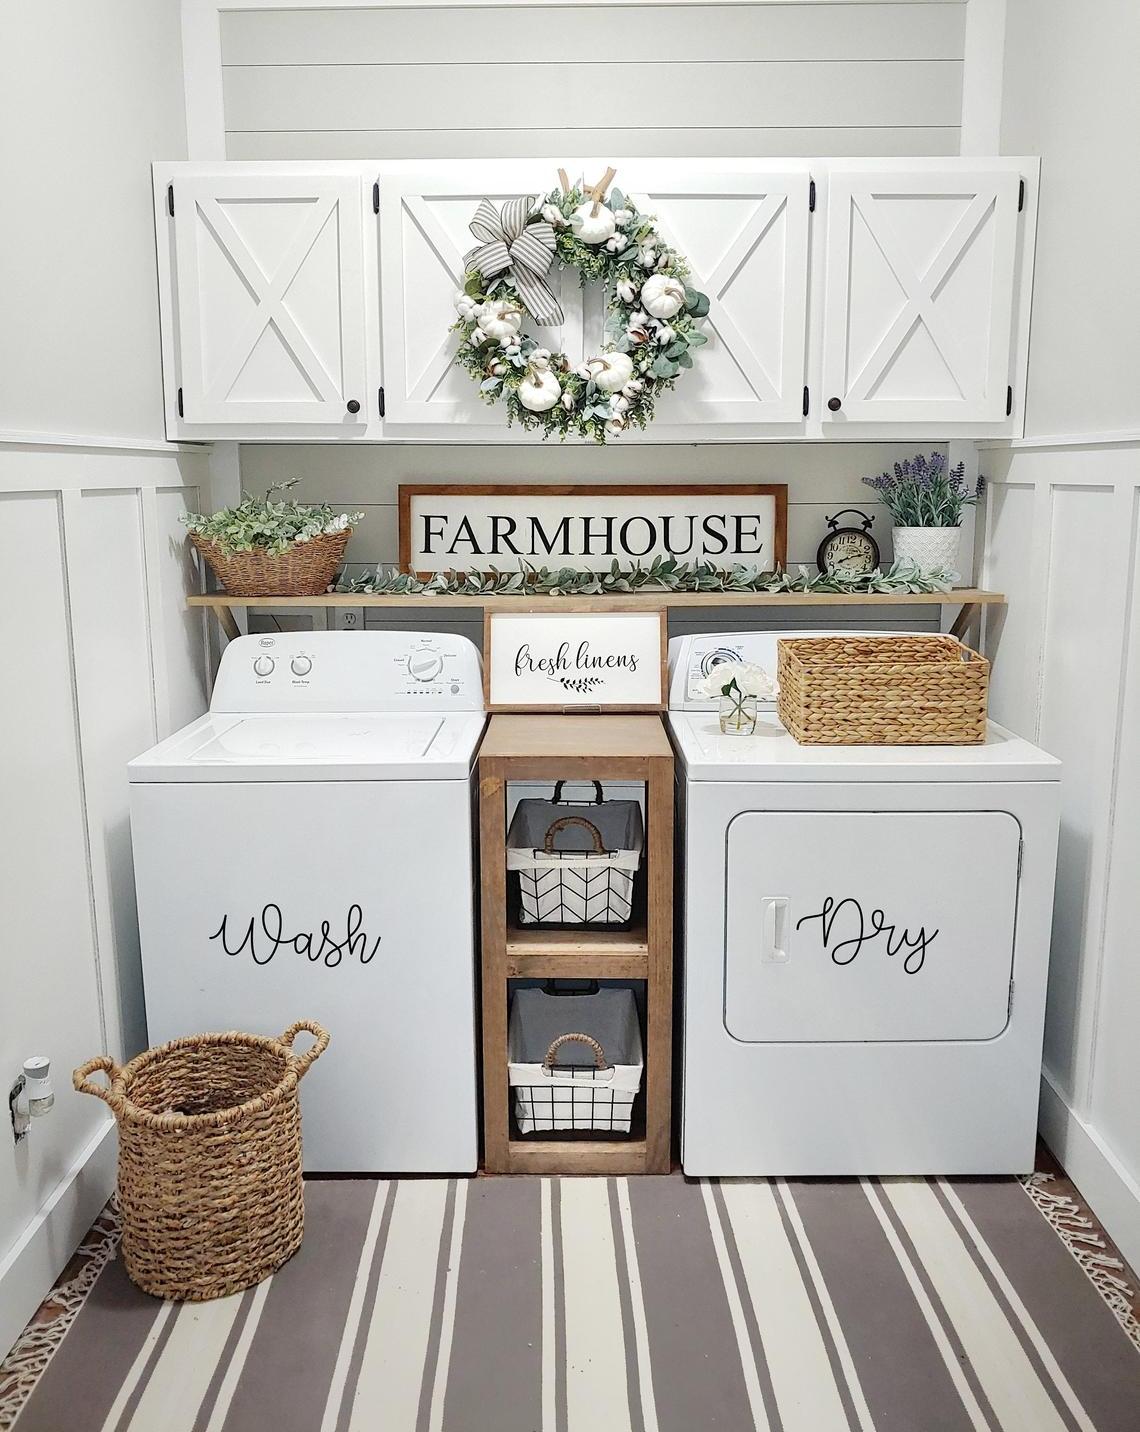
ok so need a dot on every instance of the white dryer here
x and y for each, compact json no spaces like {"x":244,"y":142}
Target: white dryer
{"x":865,"y":943}
{"x":304,"y":850}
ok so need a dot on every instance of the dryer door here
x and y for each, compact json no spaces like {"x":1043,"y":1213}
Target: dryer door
{"x":858,"y":926}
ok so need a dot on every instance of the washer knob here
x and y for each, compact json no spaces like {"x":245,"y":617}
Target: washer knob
{"x":424,"y":665}
{"x":263,"y":665}
{"x":301,"y":665}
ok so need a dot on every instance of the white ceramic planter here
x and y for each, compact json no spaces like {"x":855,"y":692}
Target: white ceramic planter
{"x":928,"y":547}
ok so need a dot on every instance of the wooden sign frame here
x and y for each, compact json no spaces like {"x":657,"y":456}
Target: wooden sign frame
{"x":778,"y":491}
{"x":555,"y":614}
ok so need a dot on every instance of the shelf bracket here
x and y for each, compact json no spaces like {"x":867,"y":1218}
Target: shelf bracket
{"x":966,"y":614}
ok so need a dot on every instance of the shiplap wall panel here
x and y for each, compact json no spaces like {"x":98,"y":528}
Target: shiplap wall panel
{"x":700,"y":93}
{"x":640,"y":35}
{"x":749,"y":80}
{"x":773,"y":141}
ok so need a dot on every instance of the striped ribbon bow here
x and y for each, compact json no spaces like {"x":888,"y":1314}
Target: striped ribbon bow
{"x":507,"y":242}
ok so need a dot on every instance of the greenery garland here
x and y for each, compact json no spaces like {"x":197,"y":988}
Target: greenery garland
{"x":662,"y":575}
{"x":604,"y":396}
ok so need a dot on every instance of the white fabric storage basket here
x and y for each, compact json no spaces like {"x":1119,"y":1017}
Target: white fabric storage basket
{"x":576,"y":862}
{"x":575,"y":1061}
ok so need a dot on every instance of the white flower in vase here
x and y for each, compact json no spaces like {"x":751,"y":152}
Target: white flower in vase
{"x":745,"y":676}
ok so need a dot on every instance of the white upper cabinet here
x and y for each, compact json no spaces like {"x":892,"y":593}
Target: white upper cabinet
{"x":849,"y":299}
{"x":920,"y":294}
{"x":745,"y":236}
{"x":266,"y":298}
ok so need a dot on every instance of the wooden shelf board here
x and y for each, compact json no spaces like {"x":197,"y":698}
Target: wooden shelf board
{"x":631,"y":741}
{"x":972,"y":596}
{"x":568,"y":965}
{"x":571,"y":1156}
{"x":584,"y":940}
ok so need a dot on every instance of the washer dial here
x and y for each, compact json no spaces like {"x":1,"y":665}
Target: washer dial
{"x":424,"y":665}
{"x":301,"y":665}
{"x":263,"y":666}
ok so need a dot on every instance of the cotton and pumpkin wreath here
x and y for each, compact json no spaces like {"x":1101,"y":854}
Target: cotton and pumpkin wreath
{"x":652,"y":311}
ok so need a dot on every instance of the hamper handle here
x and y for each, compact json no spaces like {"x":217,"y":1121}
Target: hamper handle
{"x":303,"y":1061}
{"x":83,"y":1084}
{"x":568,"y":820}
{"x":599,"y":799}
{"x":588,"y":1039}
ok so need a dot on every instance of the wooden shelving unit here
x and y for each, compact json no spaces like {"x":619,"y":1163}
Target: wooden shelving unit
{"x":548,"y":748}
{"x":968,"y":600}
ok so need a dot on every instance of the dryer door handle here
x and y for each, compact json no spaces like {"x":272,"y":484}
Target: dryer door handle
{"x":774,"y":929}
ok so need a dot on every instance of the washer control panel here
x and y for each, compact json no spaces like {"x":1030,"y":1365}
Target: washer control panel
{"x":350,"y":671}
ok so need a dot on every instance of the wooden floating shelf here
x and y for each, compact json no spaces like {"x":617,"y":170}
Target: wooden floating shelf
{"x":968,"y":599}
{"x":578,"y":954}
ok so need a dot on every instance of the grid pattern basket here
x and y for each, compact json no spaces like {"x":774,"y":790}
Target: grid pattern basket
{"x":583,"y":1080}
{"x":883,"y":691}
{"x":209,"y":1159}
{"x":307,"y":569}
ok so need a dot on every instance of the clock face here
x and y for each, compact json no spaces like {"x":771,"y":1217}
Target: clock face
{"x":848,"y":550}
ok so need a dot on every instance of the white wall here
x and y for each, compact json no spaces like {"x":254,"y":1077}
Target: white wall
{"x":1063,"y":542}
{"x":438,"y":80}
{"x":100,"y":655}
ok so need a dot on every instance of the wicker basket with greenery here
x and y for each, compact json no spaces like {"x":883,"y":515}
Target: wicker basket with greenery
{"x":268,"y":548}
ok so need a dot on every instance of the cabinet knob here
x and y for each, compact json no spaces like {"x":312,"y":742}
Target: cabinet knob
{"x":835,"y":404}
{"x":353,"y":406}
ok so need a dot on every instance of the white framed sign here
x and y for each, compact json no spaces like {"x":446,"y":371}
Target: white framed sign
{"x":575,"y":660}
{"x":589,"y":526}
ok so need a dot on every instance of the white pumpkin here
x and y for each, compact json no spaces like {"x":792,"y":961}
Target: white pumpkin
{"x":662,"y":295}
{"x":593,"y":228}
{"x":539,"y":391}
{"x":611,"y":371}
{"x":501,"y":319}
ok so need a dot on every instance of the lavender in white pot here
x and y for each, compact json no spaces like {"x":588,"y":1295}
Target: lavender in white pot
{"x":926,"y":500}
{"x":739,"y":685}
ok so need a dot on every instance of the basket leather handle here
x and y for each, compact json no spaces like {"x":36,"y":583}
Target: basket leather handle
{"x":83,"y":1084}
{"x":599,"y":798}
{"x":568,"y":820}
{"x":587,"y":1039}
{"x":302,"y":1062}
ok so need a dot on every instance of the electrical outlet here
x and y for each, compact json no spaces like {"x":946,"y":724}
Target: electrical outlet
{"x":348,"y":618}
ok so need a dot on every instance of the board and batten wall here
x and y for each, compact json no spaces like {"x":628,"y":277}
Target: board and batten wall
{"x":1063,"y":541}
{"x":100,"y":656}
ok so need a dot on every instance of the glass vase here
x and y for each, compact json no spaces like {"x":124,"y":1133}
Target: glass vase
{"x":737,"y":714}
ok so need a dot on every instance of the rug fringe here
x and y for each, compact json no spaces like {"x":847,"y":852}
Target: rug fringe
{"x":39,"y":1342}
{"x":1078,"y":1234}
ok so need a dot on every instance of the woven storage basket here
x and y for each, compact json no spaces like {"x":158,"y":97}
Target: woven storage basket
{"x":209,"y":1159}
{"x":882,"y":691}
{"x":305,"y":570}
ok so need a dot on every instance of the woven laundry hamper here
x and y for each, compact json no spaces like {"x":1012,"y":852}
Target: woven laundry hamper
{"x":576,"y":862}
{"x":209,"y":1159}
{"x":307,"y":569}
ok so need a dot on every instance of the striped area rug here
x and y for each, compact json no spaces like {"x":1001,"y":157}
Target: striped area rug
{"x":621,"y":1305}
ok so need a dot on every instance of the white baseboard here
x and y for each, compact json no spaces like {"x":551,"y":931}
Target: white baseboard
{"x":29,"y":1270}
{"x":1107,"y":1186}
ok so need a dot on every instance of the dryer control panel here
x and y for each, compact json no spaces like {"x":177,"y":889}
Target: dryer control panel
{"x":350,"y":671}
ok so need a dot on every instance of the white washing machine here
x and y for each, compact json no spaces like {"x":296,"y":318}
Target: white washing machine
{"x":865,"y":943}
{"x":304,"y":850}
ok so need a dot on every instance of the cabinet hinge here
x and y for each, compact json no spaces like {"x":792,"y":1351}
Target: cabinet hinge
{"x":1020,"y":195}
{"x":381,"y":402}
{"x":811,"y":196}
{"x":1008,"y":401}
{"x":180,"y":412}
{"x":376,"y":198}
{"x":170,"y":200}
{"x":1009,"y":1003}
{"x":807,"y":401}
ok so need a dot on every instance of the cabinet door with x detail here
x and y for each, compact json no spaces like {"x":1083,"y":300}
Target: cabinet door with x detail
{"x":920,"y":293}
{"x":269,"y":279}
